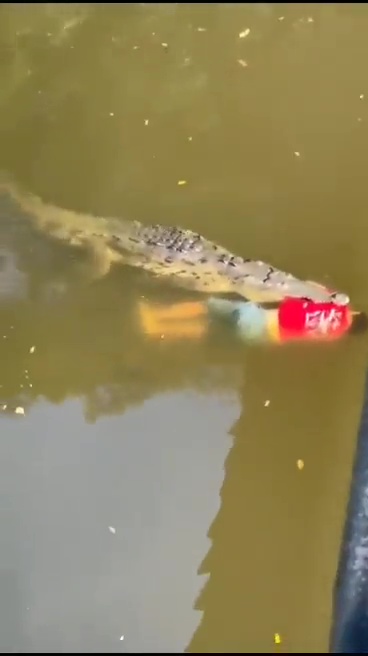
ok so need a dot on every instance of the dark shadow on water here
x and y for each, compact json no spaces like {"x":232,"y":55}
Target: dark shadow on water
{"x":276,"y":537}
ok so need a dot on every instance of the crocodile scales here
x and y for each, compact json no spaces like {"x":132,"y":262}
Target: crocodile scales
{"x":183,"y":256}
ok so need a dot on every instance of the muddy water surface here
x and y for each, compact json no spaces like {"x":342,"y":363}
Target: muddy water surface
{"x":151,"y":498}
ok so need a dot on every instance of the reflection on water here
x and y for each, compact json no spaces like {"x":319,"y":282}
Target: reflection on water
{"x":109,"y":418}
{"x":104,"y":534}
{"x":261,"y":110}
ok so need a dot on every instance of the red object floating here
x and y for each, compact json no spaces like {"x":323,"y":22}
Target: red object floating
{"x":303,"y":319}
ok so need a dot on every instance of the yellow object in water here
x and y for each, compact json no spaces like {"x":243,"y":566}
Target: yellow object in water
{"x":180,"y":320}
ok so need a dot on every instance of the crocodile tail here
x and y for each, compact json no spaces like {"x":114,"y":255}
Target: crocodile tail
{"x":7,"y":184}
{"x":58,"y":222}
{"x":27,"y":202}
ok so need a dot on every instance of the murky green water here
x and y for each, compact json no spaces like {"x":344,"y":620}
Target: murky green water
{"x":150,"y":500}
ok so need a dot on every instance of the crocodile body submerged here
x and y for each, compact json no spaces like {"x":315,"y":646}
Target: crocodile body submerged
{"x":183,"y":256}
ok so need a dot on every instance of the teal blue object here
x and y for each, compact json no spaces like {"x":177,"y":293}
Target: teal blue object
{"x":248,"y":319}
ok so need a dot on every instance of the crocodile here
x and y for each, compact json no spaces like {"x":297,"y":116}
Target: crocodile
{"x":178,"y":254}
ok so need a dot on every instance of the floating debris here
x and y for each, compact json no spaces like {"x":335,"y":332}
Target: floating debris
{"x":201,"y":29}
{"x":190,"y":138}
{"x":277,"y":639}
{"x":135,"y":47}
{"x":267,"y":403}
{"x":361,"y":96}
{"x":165,"y":45}
{"x":112,"y":530}
{"x":281,"y":18}
{"x":300,"y":464}
{"x":310,"y":19}
{"x":296,"y":153}
{"x":244,"y":33}
{"x":32,"y":349}
{"x":4,"y":406}
{"x":242,"y":62}
{"x":19,"y":410}
{"x":182,"y":182}
{"x":111,"y":114}
{"x":146,"y":121}
{"x":121,"y":637}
